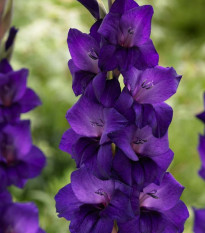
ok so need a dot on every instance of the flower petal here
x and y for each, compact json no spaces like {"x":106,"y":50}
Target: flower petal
{"x":152,"y":85}
{"x":135,"y":25}
{"x":80,"y":78}
{"x":92,"y":6}
{"x":199,"y":223}
{"x":29,"y":101}
{"x":85,"y":186}
{"x":168,"y":194}
{"x":201,"y":149}
{"x":84,"y":50}
{"x":68,"y":140}
{"x":86,"y":118}
{"x":66,"y":202}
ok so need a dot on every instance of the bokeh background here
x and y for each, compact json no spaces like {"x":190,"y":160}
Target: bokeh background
{"x":179,"y":35}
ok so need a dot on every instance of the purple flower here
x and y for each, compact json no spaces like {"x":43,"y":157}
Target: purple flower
{"x":126,"y":29}
{"x":145,"y":92}
{"x":19,"y":159}
{"x":84,"y":50}
{"x":160,"y":209}
{"x":88,"y":140}
{"x":92,"y":205}
{"x":201,"y":116}
{"x":145,"y":158}
{"x":201,"y":149}
{"x":20,"y":218}
{"x":199,"y":223}
{"x":151,"y":86}
{"x":15,"y":97}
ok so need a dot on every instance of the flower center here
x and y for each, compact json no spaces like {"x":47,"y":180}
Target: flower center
{"x":93,"y":54}
{"x":7,"y":94}
{"x":145,"y":196}
{"x":139,"y":141}
{"x":8,"y":150}
{"x":100,"y":123}
{"x":101,"y":192}
{"x":147,"y":85}
{"x":126,"y":38}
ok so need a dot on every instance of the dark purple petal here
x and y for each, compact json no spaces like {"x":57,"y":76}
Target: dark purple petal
{"x":122,"y":6}
{"x":134,"y":141}
{"x":158,"y":116}
{"x":119,"y":208}
{"x":21,"y":136}
{"x":109,"y":28}
{"x":12,"y":35}
{"x":144,"y":143}
{"x":14,"y":178}
{"x":40,"y":231}
{"x":201,"y":116}
{"x":84,"y":50}
{"x":3,"y":178}
{"x":124,"y":105}
{"x":201,"y":150}
{"x":99,"y":84}
{"x":104,"y":160}
{"x":14,"y":88}
{"x":10,"y":114}
{"x":18,"y":80}
{"x":34,"y":162}
{"x":89,"y":221}
{"x":114,"y":122}
{"x":103,"y":225}
{"x":29,"y":101}
{"x":68,"y":140}
{"x":135,"y":26}
{"x":131,"y":226}
{"x":146,"y":56}
{"x":176,"y":218}
{"x":86,"y":187}
{"x":80,"y":78}
{"x":5,"y":67}
{"x":199,"y":220}
{"x":85,"y":152}
{"x":152,"y":86}
{"x":168,"y":194}
{"x":86,"y":118}
{"x":103,"y":89}
{"x":107,"y":58}
{"x":5,"y":197}
{"x":92,"y":6}
{"x":94,"y":31}
{"x":21,"y":218}
{"x":163,"y":117}
{"x":122,"y":167}
{"x":123,"y":139}
{"x":66,"y":202}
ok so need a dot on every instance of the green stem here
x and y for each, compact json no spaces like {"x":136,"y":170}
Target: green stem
{"x":102,"y":9}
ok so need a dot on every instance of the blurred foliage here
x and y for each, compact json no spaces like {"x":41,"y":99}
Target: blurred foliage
{"x":179,"y":35}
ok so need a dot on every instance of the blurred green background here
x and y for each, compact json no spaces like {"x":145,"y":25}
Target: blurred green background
{"x":179,"y":35}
